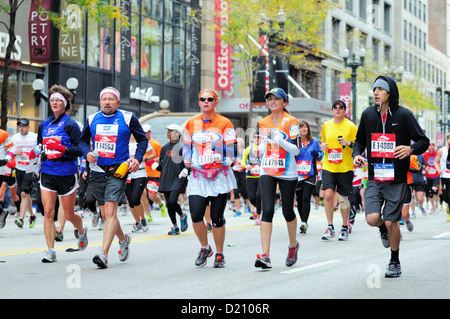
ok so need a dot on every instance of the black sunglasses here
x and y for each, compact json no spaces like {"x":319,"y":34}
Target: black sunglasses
{"x":204,"y":99}
{"x":340,"y":107}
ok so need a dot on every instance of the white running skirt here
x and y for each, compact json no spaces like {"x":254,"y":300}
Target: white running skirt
{"x":204,"y":187}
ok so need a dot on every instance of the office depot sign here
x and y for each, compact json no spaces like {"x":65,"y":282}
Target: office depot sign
{"x":223,"y":50}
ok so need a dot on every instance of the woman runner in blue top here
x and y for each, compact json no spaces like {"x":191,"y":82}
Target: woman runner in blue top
{"x":59,"y":136}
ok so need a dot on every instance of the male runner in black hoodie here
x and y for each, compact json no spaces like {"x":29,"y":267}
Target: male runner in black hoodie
{"x":385,"y":131}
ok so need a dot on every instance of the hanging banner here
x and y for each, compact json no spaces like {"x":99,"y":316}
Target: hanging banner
{"x":223,"y":50}
{"x":39,"y":32}
{"x":345,"y":94}
{"x":69,"y":34}
{"x":125,"y":55}
{"x":362,"y":98}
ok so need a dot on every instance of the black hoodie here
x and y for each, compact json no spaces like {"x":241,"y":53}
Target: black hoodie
{"x":399,"y":121}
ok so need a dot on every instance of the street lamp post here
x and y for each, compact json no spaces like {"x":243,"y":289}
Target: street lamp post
{"x":354,"y":64}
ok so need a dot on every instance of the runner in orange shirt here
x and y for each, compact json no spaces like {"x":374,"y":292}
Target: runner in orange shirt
{"x":153,"y":176}
{"x":280,"y":134}
{"x":209,"y":149}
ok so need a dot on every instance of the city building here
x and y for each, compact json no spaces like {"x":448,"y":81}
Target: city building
{"x":159,"y":58}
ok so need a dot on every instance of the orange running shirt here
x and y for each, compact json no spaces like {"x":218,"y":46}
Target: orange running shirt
{"x":277,"y":161}
{"x":208,"y":144}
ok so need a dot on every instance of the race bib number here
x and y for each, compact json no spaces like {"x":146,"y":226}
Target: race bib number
{"x":210,"y":160}
{"x":255,"y":170}
{"x":152,"y":187}
{"x":383,"y":172}
{"x":23,"y":158}
{"x":383,"y":145}
{"x":335,"y":155}
{"x":303,"y":167}
{"x":106,"y":140}
{"x":51,"y":154}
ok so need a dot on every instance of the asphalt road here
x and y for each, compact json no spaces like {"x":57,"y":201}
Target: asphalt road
{"x":162,"y":266}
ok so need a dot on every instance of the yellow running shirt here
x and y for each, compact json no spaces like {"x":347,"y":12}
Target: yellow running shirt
{"x":338,"y":159}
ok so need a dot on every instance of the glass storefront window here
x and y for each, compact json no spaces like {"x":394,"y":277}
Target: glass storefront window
{"x":100,"y":40}
{"x":27,"y":107}
{"x":134,"y":43}
{"x":151,"y":48}
{"x":168,"y":54}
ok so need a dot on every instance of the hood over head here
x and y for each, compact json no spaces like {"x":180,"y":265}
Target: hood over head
{"x":393,"y":91}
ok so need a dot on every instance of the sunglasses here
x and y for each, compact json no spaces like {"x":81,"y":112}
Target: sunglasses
{"x":340,"y":107}
{"x":204,"y":99}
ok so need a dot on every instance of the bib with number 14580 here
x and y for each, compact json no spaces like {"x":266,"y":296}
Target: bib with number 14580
{"x":383,"y":145}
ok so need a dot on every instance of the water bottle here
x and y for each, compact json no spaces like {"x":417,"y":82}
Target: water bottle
{"x":122,"y":170}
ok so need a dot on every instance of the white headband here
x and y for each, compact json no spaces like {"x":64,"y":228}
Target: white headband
{"x":58,"y":96}
{"x":117,"y":94}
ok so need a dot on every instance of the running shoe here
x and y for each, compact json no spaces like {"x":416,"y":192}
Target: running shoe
{"x":144,"y":225}
{"x":350,"y":226}
{"x":238,"y":213}
{"x":163,"y":209}
{"x":124,"y":251}
{"x":384,"y":236}
{"x":292,"y":255}
{"x":19,"y":222}
{"x":148,"y":218}
{"x":101,"y":226}
{"x":394,"y":270}
{"x":95,"y":219}
{"x":101,"y":260}
{"x":32,"y":221}
{"x":49,"y":257}
{"x":3,"y":216}
{"x":423,"y":211}
{"x":136,"y":227}
{"x":83,"y":240}
{"x":184,"y":223}
{"x":219,"y":261}
{"x":409,"y":226}
{"x":258,"y":221}
{"x":263,"y":261}
{"x":329,"y":233}
{"x":174,"y":231}
{"x":59,"y":236}
{"x":303,"y":228}
{"x":343,"y":235}
{"x":203,"y":255}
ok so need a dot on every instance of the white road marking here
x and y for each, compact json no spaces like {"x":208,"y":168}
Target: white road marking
{"x":441,"y":235}
{"x":324,"y":263}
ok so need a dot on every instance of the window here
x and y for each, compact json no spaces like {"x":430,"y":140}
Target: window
{"x":335,"y":34}
{"x":424,"y":13}
{"x":362,"y":9}
{"x":420,"y":39}
{"x":387,"y":18}
{"x":387,"y":53}
{"x":375,"y":48}
{"x":415,"y":36}
{"x":410,"y":33}
{"x":424,"y":41}
{"x":405,"y":30}
{"x":349,"y":38}
{"x":349,"y":5}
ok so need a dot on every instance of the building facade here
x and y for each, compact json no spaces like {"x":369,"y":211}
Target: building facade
{"x":163,"y":61}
